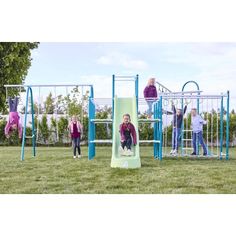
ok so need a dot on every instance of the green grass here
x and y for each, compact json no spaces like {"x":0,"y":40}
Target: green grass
{"x":55,"y":171}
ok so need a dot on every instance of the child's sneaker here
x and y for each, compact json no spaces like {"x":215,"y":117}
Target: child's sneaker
{"x":79,"y":156}
{"x":74,"y":157}
{"x":175,"y":153}
{"x":121,"y":151}
{"x":171,"y":152}
{"x":130,"y":153}
{"x":125,"y":151}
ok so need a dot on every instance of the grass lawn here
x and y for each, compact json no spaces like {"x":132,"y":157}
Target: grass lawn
{"x":55,"y":171}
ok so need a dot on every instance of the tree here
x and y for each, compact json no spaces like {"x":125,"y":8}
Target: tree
{"x":15,"y":60}
{"x":49,"y":104}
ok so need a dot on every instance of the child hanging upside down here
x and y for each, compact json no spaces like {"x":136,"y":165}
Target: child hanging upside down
{"x":13,"y":122}
{"x":128,"y":135}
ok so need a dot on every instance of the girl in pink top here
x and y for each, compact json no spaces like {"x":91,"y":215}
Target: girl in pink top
{"x":13,"y":122}
{"x":76,"y":131}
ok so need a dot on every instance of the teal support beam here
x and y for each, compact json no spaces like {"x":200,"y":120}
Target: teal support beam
{"x":29,"y":92}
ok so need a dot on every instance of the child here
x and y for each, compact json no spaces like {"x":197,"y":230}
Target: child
{"x":197,"y":126}
{"x":150,"y":95}
{"x":14,"y":118}
{"x":127,"y":133}
{"x":76,"y":131}
{"x":177,"y":124}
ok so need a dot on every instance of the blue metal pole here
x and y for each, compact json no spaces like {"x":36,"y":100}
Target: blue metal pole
{"x":182,"y":128}
{"x":221,"y":126}
{"x":33,"y":126}
{"x":24,"y":130}
{"x":198,"y":105}
{"x":91,"y":128}
{"x":113,"y":94}
{"x":227,"y":127}
{"x":160,"y":129}
{"x":155,"y":145}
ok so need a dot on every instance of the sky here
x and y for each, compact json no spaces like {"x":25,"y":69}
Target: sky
{"x":211,"y":65}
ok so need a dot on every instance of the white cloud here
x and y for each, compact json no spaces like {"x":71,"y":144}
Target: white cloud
{"x":124,"y":60}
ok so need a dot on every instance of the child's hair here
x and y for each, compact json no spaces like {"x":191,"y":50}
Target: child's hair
{"x":126,"y":115}
{"x":194,"y":109}
{"x":75,"y":116}
{"x":150,"y":79}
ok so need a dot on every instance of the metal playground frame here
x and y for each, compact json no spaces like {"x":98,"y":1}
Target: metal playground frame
{"x":213,"y":107}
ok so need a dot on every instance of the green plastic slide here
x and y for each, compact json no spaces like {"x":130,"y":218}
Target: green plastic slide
{"x":121,"y":107}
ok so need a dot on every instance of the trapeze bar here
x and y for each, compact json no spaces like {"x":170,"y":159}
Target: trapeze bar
{"x":101,"y":120}
{"x":46,"y":85}
{"x":148,"y":120}
{"x":101,"y":141}
{"x":149,"y":141}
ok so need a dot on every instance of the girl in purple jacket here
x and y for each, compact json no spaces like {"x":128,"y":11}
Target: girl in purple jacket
{"x":13,"y":122}
{"x":127,"y":135}
{"x":150,"y":95}
{"x":76,"y":131}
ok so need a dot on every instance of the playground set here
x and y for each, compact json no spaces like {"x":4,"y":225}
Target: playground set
{"x":213,"y":108}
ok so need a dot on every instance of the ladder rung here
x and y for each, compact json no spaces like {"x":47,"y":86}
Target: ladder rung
{"x":187,"y":139}
{"x":101,"y":141}
{"x":148,"y":120}
{"x":29,"y":136}
{"x":101,"y":120}
{"x":149,"y":141}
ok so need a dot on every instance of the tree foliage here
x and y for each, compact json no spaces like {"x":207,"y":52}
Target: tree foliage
{"x":15,"y":60}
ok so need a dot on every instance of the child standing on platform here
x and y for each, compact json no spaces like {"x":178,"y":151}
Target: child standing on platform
{"x":76,"y":131}
{"x":150,"y":95}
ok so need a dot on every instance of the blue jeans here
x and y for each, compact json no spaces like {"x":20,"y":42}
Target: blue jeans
{"x":76,"y":144}
{"x":201,"y":141}
{"x":149,"y":103}
{"x":127,"y":143}
{"x":176,"y":137}
{"x":13,"y":103}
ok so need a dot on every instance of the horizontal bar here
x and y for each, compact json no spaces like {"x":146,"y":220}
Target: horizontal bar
{"x":188,"y":148}
{"x":101,"y":120}
{"x":208,"y":156}
{"x":193,"y":96}
{"x":148,"y":120}
{"x":101,"y":141}
{"x":183,"y":92}
{"x":125,"y":76}
{"x":187,"y":139}
{"x":46,"y":85}
{"x":149,"y":141}
{"x":187,"y":130}
{"x":125,"y":80}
